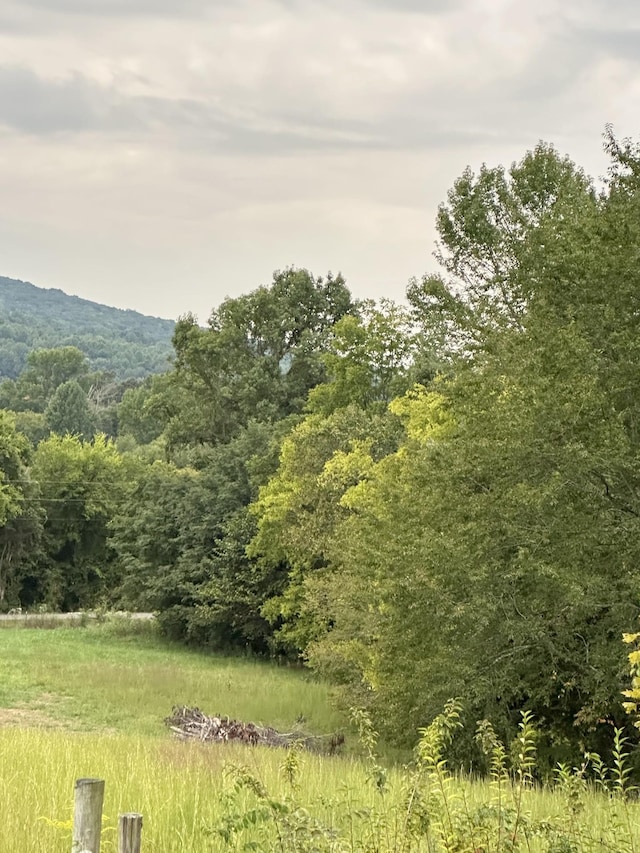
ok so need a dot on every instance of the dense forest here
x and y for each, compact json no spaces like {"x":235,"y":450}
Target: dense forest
{"x":421,"y":500}
{"x":124,"y":343}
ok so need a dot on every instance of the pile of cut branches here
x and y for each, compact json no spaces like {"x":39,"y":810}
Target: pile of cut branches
{"x":192,"y":723}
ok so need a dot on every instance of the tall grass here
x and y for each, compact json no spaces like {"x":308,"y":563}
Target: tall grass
{"x":177,"y":786}
{"x":122,"y":677}
{"x":91,"y":701}
{"x":204,"y":798}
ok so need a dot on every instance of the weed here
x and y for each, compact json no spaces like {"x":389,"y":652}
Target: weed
{"x":427,"y":808}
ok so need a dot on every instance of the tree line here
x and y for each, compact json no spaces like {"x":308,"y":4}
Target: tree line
{"x":126,"y":344}
{"x":422,"y":500}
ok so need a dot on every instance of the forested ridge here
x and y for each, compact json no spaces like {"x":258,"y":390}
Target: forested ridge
{"x":125,"y":343}
{"x":421,"y":500}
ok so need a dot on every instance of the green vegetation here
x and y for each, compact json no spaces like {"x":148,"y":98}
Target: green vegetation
{"x":418,"y":502}
{"x":196,"y":797}
{"x":121,"y":677}
{"x":56,"y":392}
{"x":127,"y":344}
{"x":88,"y":701}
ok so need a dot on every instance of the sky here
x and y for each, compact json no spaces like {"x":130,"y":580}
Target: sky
{"x":162,"y":155}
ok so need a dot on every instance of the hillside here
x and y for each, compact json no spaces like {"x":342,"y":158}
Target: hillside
{"x":129,"y":344}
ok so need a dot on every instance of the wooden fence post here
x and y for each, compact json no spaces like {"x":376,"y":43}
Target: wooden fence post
{"x":87,"y":816}
{"x":129,"y":833}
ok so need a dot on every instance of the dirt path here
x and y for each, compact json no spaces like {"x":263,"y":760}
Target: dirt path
{"x":48,"y":618}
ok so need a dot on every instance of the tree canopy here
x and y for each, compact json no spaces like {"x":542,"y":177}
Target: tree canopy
{"x":126,"y":343}
{"x":426,"y":500}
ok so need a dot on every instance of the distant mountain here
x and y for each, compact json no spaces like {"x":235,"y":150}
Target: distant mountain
{"x":127,"y":343}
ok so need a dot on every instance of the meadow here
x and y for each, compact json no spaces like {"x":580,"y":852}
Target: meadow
{"x":90,"y":701}
{"x":119,"y":676}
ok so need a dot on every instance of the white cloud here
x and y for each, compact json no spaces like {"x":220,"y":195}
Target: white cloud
{"x":160,"y":154}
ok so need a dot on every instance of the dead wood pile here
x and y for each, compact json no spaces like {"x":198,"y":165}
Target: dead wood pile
{"x":193,"y":724}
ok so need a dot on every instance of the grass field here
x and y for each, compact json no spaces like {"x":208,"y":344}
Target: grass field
{"x":90,"y":701}
{"x":118,"y":676}
{"x":176,"y":786}
{"x":77,"y":702}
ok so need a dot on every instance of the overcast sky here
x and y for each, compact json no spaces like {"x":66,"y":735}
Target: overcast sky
{"x":163,"y":154}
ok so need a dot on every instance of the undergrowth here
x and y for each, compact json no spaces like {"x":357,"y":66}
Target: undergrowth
{"x":427,"y":808}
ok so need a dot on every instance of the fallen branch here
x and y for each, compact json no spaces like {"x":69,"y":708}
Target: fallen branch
{"x":193,"y":724}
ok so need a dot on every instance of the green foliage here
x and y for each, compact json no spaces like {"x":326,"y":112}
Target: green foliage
{"x":299,"y":509}
{"x":368,"y":359}
{"x":427,"y":808}
{"x":45,"y":371}
{"x":495,"y":553}
{"x":145,"y":536}
{"x":136,"y":416}
{"x":633,"y":693}
{"x":180,"y":537}
{"x":68,"y":411}
{"x":30,"y":424}
{"x":486,"y":228}
{"x":80,"y":486}
{"x":256,"y":360}
{"x":125,"y":342}
{"x":20,"y":515}
{"x":57,"y":386}
{"x":281,"y":824}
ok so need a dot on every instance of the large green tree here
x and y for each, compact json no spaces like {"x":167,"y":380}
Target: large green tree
{"x":20,"y":514}
{"x":46,"y":370}
{"x":68,"y":411}
{"x":495,"y":555}
{"x":487,"y":228}
{"x":371,"y":357}
{"x":81,"y":485}
{"x":136,"y":417}
{"x":299,"y":509}
{"x":180,"y":536}
{"x":256,"y":360}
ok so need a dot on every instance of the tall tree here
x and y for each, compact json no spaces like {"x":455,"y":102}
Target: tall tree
{"x":369,"y":359}
{"x":81,"y":486}
{"x":136,"y":416}
{"x":46,"y":369}
{"x":180,"y":537}
{"x":20,"y":514}
{"x":68,"y":411}
{"x":300,"y":507}
{"x":497,"y":549}
{"x":256,"y":360}
{"x":486,"y":227}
